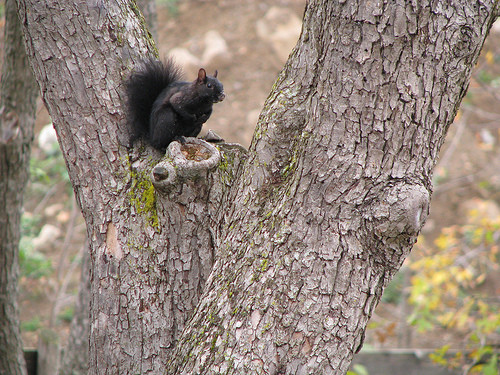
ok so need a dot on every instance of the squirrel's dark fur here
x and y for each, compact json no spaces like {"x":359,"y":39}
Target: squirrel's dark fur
{"x":162,"y":107}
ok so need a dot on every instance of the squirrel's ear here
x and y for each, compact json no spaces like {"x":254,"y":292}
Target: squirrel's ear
{"x":202,"y":75}
{"x":215,"y":75}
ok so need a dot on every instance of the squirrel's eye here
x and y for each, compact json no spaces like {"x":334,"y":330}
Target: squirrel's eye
{"x":209,"y":85}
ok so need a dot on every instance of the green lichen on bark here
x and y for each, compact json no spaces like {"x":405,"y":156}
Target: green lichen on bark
{"x":232,"y":157}
{"x":137,"y":12}
{"x":143,"y":197}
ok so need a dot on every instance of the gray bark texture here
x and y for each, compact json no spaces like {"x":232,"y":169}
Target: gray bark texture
{"x":76,"y":353}
{"x":18,"y":92}
{"x":211,"y":259}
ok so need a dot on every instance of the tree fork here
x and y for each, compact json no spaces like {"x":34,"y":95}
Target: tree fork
{"x":305,"y":231}
{"x":182,"y":190}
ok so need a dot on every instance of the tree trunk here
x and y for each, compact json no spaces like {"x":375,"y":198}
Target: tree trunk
{"x":18,"y":93}
{"x":339,"y":176}
{"x":75,"y":359}
{"x":210,"y":260}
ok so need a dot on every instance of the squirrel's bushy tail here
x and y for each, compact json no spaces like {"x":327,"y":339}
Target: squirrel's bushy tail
{"x":143,"y":87}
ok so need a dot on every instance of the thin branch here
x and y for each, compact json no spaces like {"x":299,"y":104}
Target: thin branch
{"x":460,"y":125}
{"x":64,"y":281}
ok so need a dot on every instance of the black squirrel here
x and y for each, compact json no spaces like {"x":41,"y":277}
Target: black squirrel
{"x":162,"y":107}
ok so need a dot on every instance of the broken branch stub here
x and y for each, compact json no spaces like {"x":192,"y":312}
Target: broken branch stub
{"x":191,"y":160}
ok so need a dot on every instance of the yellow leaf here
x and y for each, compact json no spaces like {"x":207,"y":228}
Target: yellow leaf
{"x":439,"y":277}
{"x":489,"y":57}
{"x":444,"y":241}
{"x":446,"y":318}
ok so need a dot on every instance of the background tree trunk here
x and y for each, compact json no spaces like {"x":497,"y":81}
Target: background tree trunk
{"x":18,"y":92}
{"x":76,"y":353}
{"x":296,"y":240}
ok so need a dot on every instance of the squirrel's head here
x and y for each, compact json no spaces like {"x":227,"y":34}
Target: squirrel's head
{"x":212,"y":84}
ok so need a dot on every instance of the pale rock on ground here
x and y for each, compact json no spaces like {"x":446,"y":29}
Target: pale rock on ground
{"x":215,"y":53}
{"x":281,"y":28}
{"x":47,"y":237}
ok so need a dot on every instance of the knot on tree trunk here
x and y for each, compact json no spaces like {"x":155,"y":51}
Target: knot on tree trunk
{"x":401,"y":210}
{"x":191,"y":160}
{"x":10,"y":125}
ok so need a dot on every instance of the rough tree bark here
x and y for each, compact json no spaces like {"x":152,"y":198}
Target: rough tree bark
{"x":211,"y":260}
{"x":18,"y":92}
{"x":76,"y":352}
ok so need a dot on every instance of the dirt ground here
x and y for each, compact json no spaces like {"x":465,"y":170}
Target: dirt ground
{"x":469,"y":157}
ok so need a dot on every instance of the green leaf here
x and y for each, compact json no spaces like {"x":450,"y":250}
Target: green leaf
{"x":491,"y":368}
{"x":360,"y":369}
